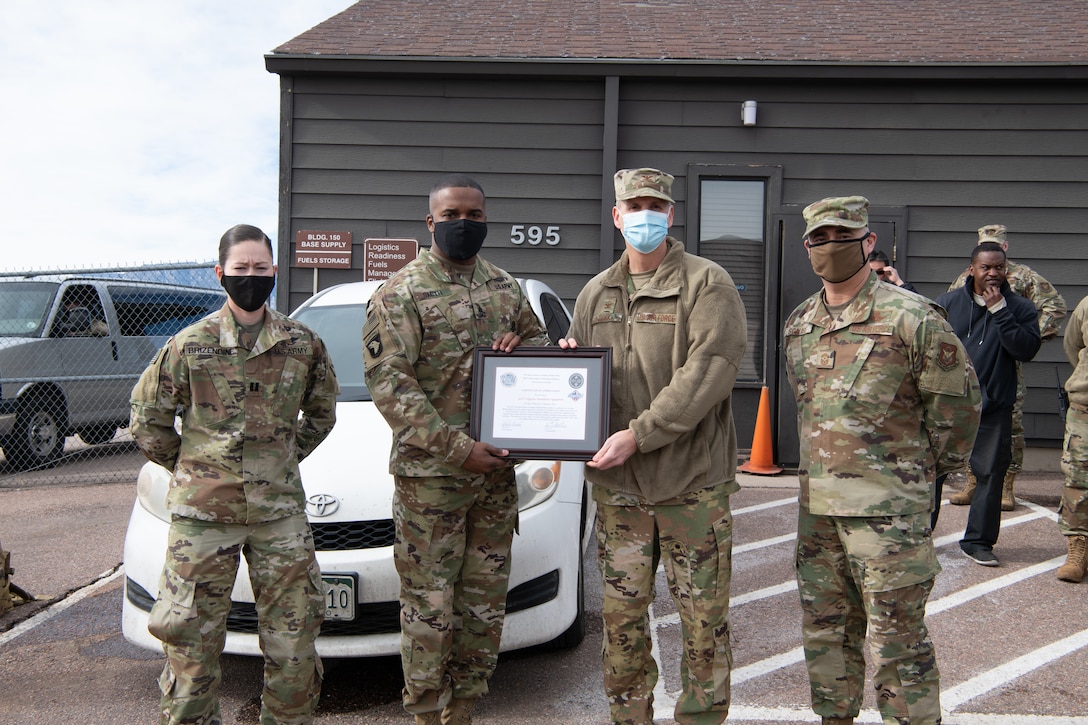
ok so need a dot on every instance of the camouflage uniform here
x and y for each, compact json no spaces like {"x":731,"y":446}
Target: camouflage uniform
{"x":236,"y":488}
{"x":1073,"y":519}
{"x":1025,"y":282}
{"x":454,"y":528}
{"x":887,"y":400}
{"x":676,"y":346}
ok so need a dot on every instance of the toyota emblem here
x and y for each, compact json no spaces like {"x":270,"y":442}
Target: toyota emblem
{"x":322,"y":504}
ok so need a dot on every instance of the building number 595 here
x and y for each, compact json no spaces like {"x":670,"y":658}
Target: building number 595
{"x":520,"y":233}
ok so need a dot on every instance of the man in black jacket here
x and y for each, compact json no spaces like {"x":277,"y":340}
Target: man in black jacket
{"x":998,"y":328}
{"x":879,"y":263}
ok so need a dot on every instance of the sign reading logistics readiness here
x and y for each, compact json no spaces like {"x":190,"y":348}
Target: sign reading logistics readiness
{"x":382,"y":258}
{"x":314,"y":248}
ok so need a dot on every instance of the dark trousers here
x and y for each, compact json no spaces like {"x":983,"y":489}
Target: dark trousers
{"x":990,"y":460}
{"x":938,"y":492}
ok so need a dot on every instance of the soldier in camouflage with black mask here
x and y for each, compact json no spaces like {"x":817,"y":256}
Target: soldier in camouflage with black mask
{"x":239,"y":378}
{"x":455,"y":500}
{"x":887,"y":400}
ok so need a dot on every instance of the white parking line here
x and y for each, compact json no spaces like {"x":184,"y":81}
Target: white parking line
{"x":770,"y":664}
{"x":54,"y":609}
{"x":764,"y":543}
{"x":951,"y":699}
{"x":764,"y":506}
{"x":1037,"y":512}
{"x":805,"y":715}
{"x":1006,"y":673}
{"x":992,"y":585}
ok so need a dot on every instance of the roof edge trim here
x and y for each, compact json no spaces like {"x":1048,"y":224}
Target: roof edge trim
{"x":310,"y":64}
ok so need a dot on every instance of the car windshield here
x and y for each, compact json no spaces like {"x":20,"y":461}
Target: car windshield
{"x":341,"y":329}
{"x":23,"y":307}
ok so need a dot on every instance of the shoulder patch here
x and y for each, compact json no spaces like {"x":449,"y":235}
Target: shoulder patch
{"x":947,"y":355}
{"x":374,"y":345}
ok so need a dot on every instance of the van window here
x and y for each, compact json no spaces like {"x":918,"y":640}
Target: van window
{"x":81,"y":314}
{"x":149,"y":311}
{"x":24,"y":306}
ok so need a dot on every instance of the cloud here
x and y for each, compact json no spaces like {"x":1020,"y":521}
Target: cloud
{"x":138,"y":131}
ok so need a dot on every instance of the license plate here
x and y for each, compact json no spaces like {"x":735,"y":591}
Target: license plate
{"x":339,"y":597}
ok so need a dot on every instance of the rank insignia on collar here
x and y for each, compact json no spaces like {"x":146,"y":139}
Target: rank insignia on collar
{"x":947,"y":356}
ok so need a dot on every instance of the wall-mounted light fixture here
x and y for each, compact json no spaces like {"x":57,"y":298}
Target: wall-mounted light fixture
{"x":748,"y":113}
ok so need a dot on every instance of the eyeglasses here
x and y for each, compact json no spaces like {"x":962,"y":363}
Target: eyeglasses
{"x":883,"y":271}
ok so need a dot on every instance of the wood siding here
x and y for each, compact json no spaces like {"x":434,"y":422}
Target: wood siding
{"x":364,"y":152}
{"x":367,"y":151}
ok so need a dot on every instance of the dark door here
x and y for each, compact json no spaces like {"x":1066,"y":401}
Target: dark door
{"x":796,"y":282}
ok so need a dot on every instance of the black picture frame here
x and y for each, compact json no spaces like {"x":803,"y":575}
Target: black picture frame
{"x":580,"y":376}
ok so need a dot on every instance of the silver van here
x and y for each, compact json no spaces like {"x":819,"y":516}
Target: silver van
{"x":71,"y":349}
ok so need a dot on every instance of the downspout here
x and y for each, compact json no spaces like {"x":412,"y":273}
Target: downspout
{"x":609,"y":155}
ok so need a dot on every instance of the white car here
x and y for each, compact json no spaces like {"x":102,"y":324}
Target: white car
{"x":349,"y":504}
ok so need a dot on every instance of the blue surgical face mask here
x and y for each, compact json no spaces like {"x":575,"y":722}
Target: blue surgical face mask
{"x":645,"y":230}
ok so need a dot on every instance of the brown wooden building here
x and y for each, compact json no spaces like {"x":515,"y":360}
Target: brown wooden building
{"x":947,"y":116}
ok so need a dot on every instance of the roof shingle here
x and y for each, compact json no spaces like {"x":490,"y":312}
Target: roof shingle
{"x":821,"y":31}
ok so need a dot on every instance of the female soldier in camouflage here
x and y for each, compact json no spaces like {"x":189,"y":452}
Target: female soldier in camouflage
{"x":239,"y":379}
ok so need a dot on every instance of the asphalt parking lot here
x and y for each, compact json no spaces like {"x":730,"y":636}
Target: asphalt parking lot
{"x":1012,"y":641}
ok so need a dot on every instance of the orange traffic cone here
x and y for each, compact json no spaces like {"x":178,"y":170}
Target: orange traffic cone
{"x":762,"y":458}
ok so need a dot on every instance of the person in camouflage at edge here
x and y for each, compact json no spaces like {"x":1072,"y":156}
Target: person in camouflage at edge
{"x":240,"y":379}
{"x":887,"y":399}
{"x":662,"y":479}
{"x":1025,"y":282}
{"x":1073,"y":511}
{"x":455,"y":500}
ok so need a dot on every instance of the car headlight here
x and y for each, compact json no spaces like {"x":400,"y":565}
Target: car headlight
{"x":151,"y":487}
{"x":537,"y":482}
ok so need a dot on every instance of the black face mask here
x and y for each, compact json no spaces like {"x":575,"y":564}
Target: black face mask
{"x":248,"y":292}
{"x":460,"y":239}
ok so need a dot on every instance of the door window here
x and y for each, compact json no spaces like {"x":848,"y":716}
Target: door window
{"x":732,"y":220}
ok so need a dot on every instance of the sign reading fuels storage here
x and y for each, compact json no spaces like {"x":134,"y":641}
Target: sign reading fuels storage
{"x":324,"y":249}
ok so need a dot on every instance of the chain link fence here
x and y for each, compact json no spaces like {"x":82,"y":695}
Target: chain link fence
{"x":72,"y":344}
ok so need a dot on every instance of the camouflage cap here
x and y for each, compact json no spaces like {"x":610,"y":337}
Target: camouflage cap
{"x":633,"y":183}
{"x":992,"y":233}
{"x":851,"y":212}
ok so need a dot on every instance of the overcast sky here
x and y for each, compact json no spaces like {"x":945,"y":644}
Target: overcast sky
{"x":138,"y":131}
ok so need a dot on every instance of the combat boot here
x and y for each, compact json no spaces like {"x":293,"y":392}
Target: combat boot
{"x":1008,"y":503}
{"x":963,"y":498}
{"x":459,"y":711}
{"x":1075,"y":564}
{"x":837,"y":721}
{"x":429,"y":718}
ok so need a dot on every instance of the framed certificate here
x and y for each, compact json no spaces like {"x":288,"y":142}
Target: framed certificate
{"x":542,"y":402}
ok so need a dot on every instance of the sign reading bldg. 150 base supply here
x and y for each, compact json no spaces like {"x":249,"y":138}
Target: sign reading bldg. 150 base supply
{"x":382,"y":258}
{"x":315,"y":248}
